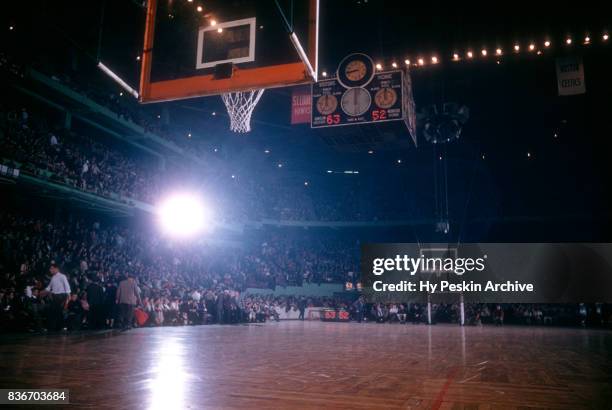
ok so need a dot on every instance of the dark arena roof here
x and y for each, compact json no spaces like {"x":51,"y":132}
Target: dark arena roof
{"x":502,"y":135}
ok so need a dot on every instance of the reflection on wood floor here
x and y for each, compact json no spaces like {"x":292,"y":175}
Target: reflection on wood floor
{"x":318,"y":365}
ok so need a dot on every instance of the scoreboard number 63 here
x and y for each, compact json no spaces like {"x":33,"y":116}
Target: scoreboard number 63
{"x":332,"y":119}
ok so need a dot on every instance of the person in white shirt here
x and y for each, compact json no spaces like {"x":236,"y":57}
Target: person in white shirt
{"x":59,"y":288}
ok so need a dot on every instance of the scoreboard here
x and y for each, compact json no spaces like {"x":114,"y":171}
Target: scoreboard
{"x":380,"y":100}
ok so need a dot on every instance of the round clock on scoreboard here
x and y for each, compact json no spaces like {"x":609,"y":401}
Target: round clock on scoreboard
{"x":355,"y":70}
{"x":355,"y":101}
{"x":326,"y":104}
{"x":385,"y":97}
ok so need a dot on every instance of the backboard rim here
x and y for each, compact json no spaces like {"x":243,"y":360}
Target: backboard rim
{"x":244,"y":79}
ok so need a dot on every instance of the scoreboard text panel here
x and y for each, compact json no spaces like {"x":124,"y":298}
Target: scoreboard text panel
{"x":379,"y":101}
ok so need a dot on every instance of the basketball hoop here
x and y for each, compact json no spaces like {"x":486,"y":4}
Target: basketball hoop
{"x":240,"y":106}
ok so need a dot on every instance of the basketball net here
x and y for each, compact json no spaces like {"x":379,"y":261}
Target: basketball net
{"x":240,"y":106}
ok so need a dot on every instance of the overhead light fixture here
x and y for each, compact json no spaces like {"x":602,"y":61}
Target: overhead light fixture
{"x":213,"y":22}
{"x":434,"y":60}
{"x":483,"y":52}
{"x":547,"y":43}
{"x":568,"y":41}
{"x":605,"y":37}
{"x":517,"y":47}
{"x":199,"y":8}
{"x":470,"y":54}
{"x":421,"y":61}
{"x":324,"y":73}
{"x":379,"y":66}
{"x":587,"y":40}
{"x":455,"y":56}
{"x":407,"y":62}
{"x":498,"y":51}
{"x":531,"y":47}
{"x":394,"y":64}
{"x":118,"y":80}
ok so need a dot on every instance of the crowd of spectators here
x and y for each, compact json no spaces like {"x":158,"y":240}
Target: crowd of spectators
{"x":477,"y":314}
{"x":90,"y":254}
{"x":73,"y":159}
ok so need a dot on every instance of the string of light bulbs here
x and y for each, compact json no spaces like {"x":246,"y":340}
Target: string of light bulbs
{"x":472,"y":54}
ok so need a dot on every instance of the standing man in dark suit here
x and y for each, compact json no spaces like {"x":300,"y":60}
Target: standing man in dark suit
{"x":95,"y":298}
{"x":359,"y":308}
{"x":302,"y":307}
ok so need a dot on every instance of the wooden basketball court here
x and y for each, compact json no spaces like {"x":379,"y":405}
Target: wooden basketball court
{"x":319,"y":365}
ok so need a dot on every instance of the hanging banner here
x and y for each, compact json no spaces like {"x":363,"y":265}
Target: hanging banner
{"x":409,"y":107}
{"x":300,"y":105}
{"x":570,"y":76}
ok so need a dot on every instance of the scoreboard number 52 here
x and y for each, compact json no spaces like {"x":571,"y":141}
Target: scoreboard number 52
{"x":379,"y":115}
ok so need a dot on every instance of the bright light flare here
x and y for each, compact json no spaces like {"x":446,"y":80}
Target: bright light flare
{"x":183,"y":215}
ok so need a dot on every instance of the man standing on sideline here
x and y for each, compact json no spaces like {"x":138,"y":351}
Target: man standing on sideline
{"x":358,"y":309}
{"x":95,"y":298}
{"x":301,"y":307}
{"x":127,"y":298}
{"x":59,"y":288}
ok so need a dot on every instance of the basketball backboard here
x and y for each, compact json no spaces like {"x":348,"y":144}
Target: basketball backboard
{"x":194,"y":48}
